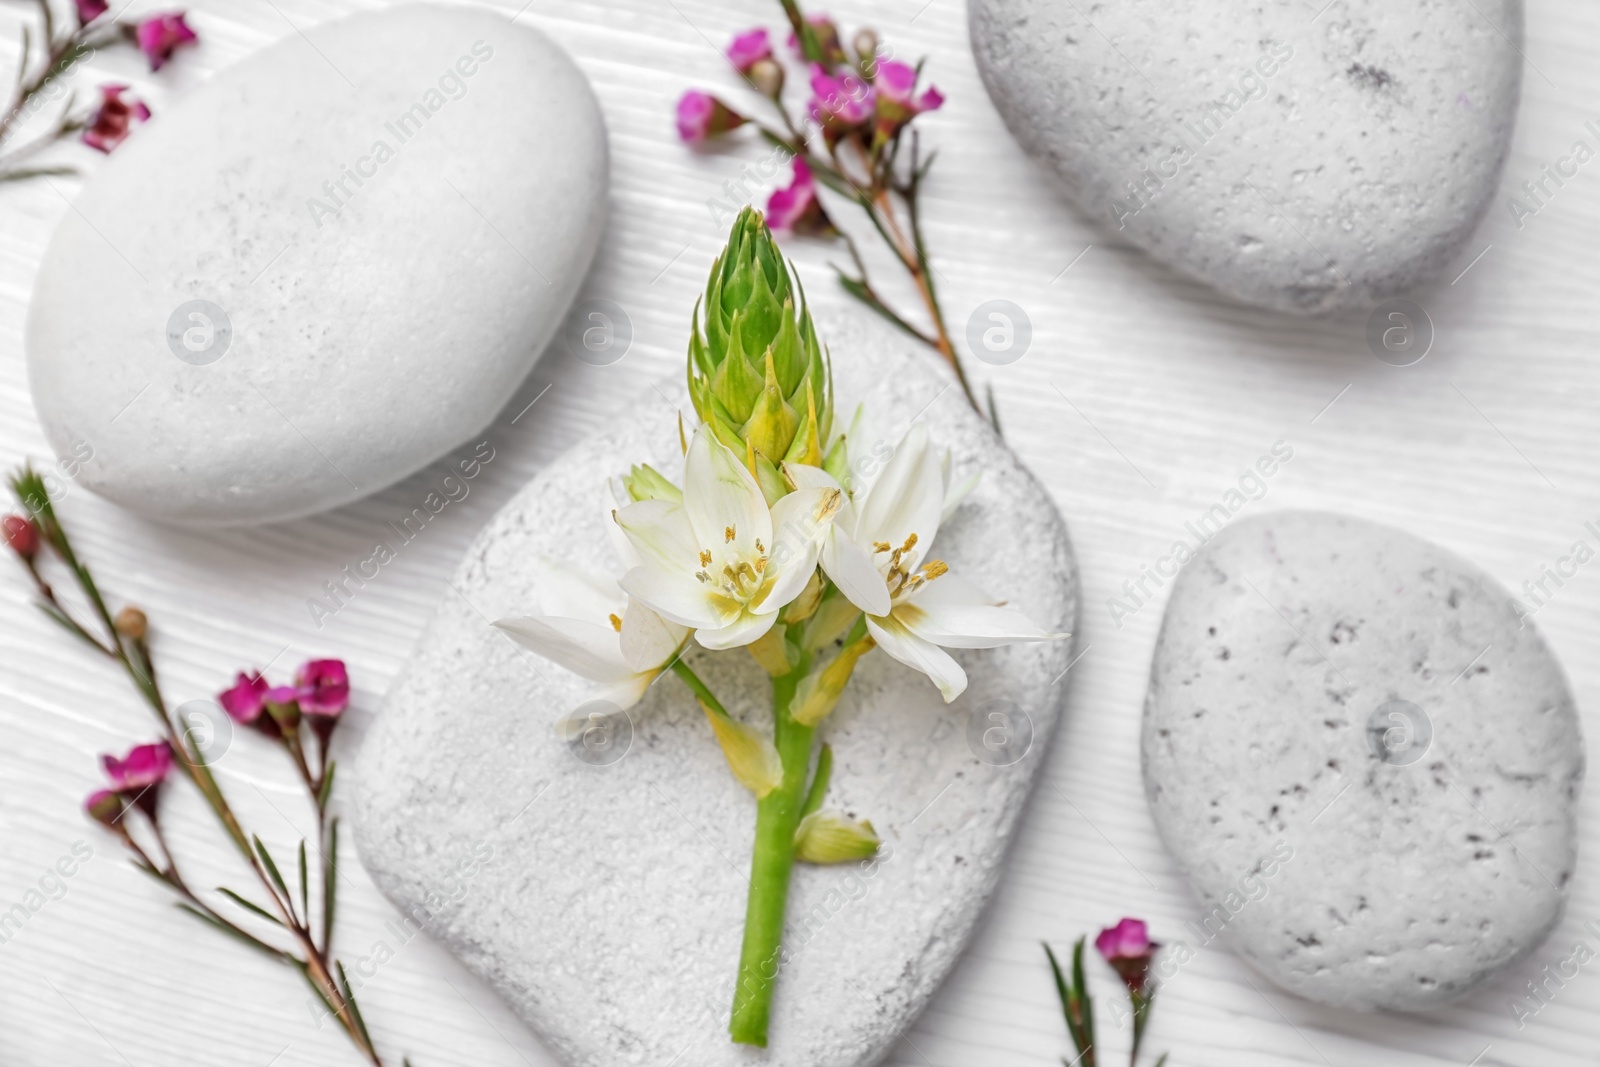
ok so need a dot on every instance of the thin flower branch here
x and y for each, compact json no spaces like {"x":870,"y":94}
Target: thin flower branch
{"x":848,"y":137}
{"x":300,"y":718}
{"x":61,"y":47}
{"x":1130,"y":952}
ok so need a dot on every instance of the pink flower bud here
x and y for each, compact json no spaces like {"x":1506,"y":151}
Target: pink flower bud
{"x":898,"y":101}
{"x":797,"y":208}
{"x":1129,"y":950}
{"x":324,"y":687}
{"x":827,"y":35}
{"x":110,"y":124}
{"x":244,"y":701}
{"x":701,"y":115}
{"x":105,"y":807}
{"x":89,"y":10}
{"x":160,"y":35}
{"x":22,"y":536}
{"x":283,"y":707}
{"x":748,"y":49}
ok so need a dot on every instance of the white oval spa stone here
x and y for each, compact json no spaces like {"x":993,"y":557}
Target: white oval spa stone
{"x":322,"y":269}
{"x":1299,"y":160}
{"x":1366,"y":769}
{"x":610,"y":909}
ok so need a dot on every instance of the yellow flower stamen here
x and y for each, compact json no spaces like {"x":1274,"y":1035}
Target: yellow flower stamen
{"x":616,"y":623}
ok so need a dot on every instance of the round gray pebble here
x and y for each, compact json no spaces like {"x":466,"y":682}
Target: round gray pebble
{"x":1366,"y":769}
{"x":1297,"y":159}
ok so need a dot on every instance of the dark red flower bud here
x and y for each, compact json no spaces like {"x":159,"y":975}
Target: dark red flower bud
{"x":22,"y":535}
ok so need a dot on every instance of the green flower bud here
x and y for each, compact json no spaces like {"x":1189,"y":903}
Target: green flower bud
{"x":644,"y":482}
{"x":757,"y":373}
{"x":832,"y":837}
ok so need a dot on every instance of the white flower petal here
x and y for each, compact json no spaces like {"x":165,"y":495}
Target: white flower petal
{"x":720,"y":495}
{"x":598,"y":707}
{"x":573,"y":592}
{"x":660,"y":531}
{"x":852,"y":570}
{"x":805,"y":476}
{"x":581,"y":647}
{"x":741,"y":631}
{"x":907,"y":498}
{"x":918,"y":654}
{"x":955,"y":494}
{"x":678,"y":597}
{"x":800,"y":521}
{"x":953,"y":612}
{"x":647,"y":640}
{"x":620,"y":544}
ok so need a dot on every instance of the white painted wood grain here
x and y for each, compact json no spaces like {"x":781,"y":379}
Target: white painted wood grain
{"x":1140,"y":401}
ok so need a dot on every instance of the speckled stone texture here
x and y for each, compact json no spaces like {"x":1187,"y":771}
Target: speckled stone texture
{"x":1295,"y":159}
{"x":375,"y":208}
{"x":610,"y":914}
{"x":1429,"y":843}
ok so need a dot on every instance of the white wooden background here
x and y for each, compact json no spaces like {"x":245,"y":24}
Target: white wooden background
{"x":1140,"y":402}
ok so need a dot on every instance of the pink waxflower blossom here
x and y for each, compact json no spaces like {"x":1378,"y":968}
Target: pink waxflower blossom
{"x":701,"y":116}
{"x":797,"y":208}
{"x":840,"y":102}
{"x":110,"y":124}
{"x":896,"y":83}
{"x":145,"y":767}
{"x":160,"y":35}
{"x":1129,"y":950}
{"x":244,"y":701}
{"x":324,"y":687}
{"x":89,"y":10}
{"x":749,"y":48}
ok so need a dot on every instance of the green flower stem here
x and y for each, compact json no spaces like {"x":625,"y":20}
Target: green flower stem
{"x":777,"y":816}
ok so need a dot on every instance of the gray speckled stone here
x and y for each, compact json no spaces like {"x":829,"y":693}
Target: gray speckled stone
{"x":1266,"y":727}
{"x":610,"y":913}
{"x":1300,"y":165}
{"x":377,"y":322}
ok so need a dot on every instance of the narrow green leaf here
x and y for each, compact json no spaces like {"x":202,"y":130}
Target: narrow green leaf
{"x":254,"y":909}
{"x":272,"y":870}
{"x":859,"y":289}
{"x":305,"y":884}
{"x":237,"y":935}
{"x":326,"y":792}
{"x":141,"y":865}
{"x":350,"y":999}
{"x":819,"y":782}
{"x":1081,"y":993}
{"x":330,"y":884}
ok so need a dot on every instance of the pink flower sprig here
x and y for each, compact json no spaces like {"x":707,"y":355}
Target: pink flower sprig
{"x":61,"y":47}
{"x":291,"y":925}
{"x":1130,"y":952}
{"x":850,"y":137}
